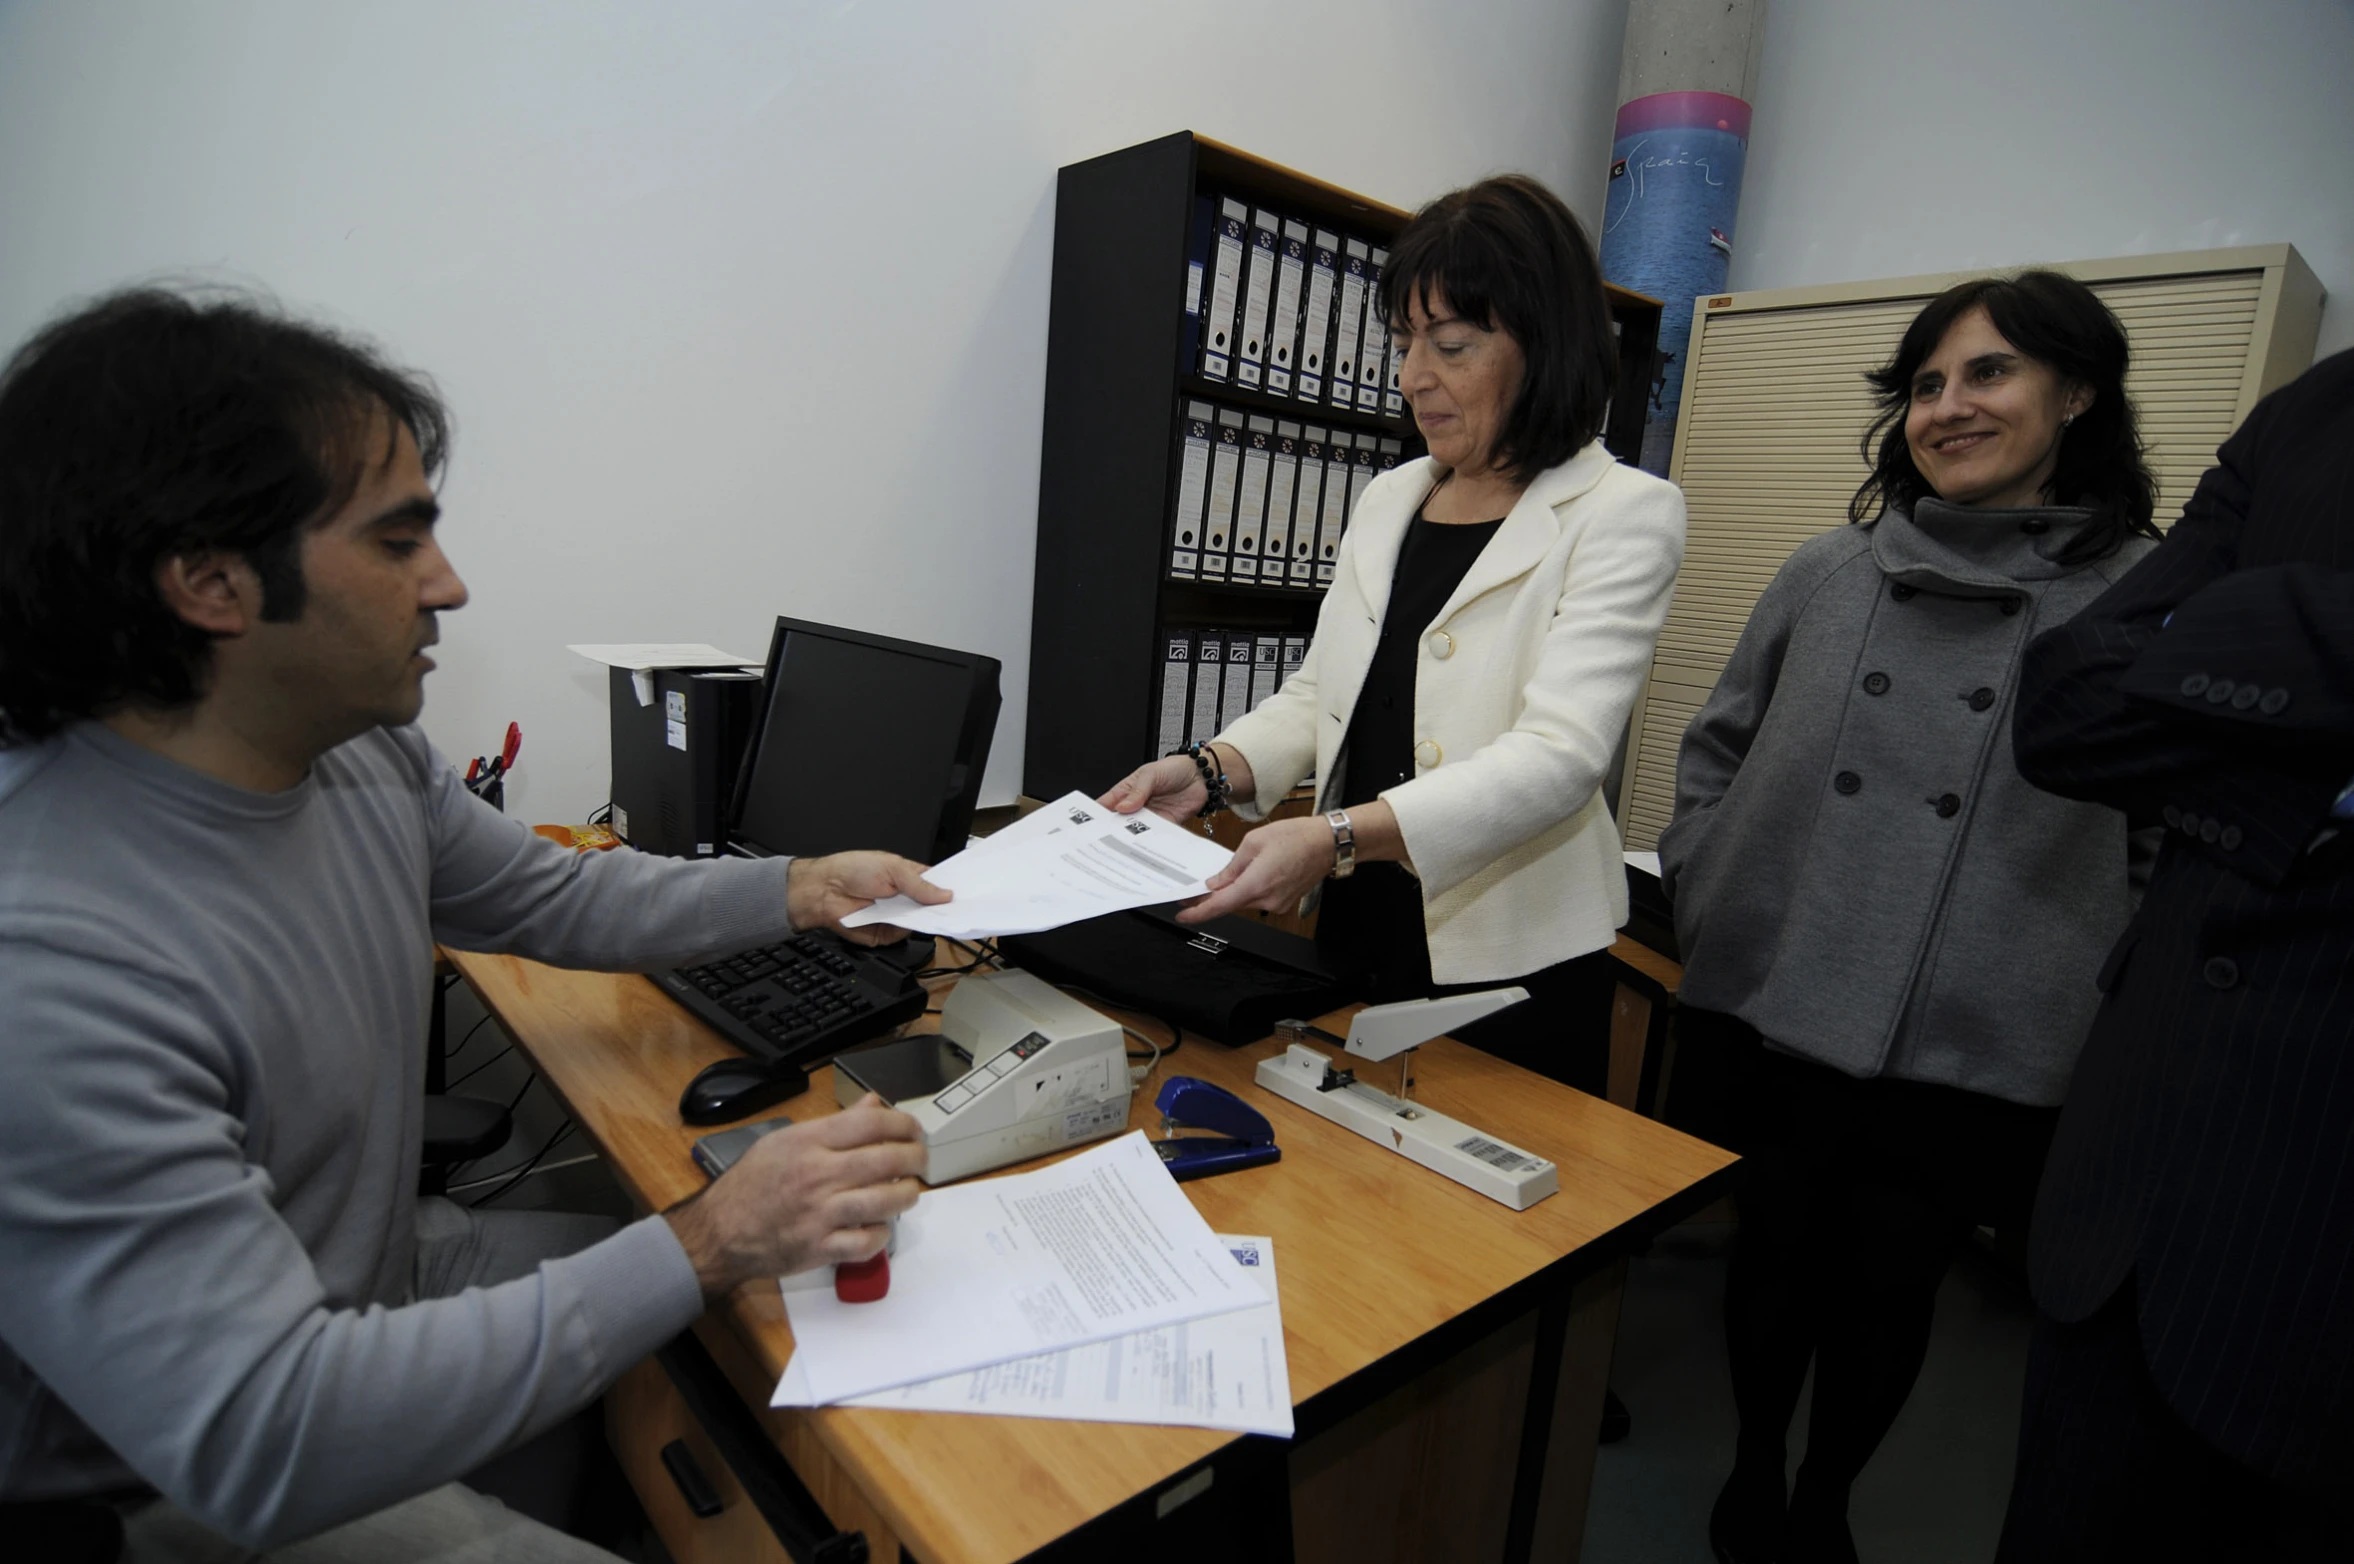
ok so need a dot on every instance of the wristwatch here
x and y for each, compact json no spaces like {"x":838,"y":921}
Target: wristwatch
{"x":1344,"y":844}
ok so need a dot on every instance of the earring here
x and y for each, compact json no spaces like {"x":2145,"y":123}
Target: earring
{"x":2066,"y":419}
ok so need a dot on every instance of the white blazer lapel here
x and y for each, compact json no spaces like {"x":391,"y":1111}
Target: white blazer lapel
{"x":1380,"y":529}
{"x":1532,"y":528}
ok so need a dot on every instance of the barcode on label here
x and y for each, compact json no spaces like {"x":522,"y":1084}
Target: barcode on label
{"x":1493,"y":1155}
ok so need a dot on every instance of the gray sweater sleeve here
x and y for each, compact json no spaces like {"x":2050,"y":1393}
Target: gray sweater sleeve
{"x":498,"y":887}
{"x":154,"y":1287}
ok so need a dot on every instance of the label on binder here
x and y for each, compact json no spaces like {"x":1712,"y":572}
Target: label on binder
{"x":1316,"y":316}
{"x":1266,"y":667}
{"x":1250,"y":507}
{"x":1295,"y":652}
{"x":1336,"y":503}
{"x":1306,"y":507}
{"x":1257,"y":289}
{"x":1225,"y":291}
{"x":1351,"y":329}
{"x":1283,"y":480}
{"x":1209,"y":658}
{"x":1373,"y":353}
{"x":1193,"y":487}
{"x":1176,"y":690}
{"x":1283,"y":318}
{"x":1235,"y":697}
{"x":1225,"y":480}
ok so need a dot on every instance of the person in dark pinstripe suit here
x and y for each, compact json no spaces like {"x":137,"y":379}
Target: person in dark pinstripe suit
{"x":2190,"y":1393}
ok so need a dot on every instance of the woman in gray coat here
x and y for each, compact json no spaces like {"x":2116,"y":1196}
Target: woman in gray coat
{"x":1892,"y":933}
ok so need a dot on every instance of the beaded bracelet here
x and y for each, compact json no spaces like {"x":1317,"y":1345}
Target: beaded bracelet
{"x":1213,"y":776}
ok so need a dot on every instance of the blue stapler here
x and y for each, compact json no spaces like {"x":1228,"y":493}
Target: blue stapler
{"x":1240,"y":1136}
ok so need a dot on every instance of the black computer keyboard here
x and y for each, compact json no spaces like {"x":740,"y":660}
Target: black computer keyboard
{"x":801,"y":1000}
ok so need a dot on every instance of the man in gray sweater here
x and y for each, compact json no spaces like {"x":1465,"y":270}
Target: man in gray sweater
{"x":225,"y":857}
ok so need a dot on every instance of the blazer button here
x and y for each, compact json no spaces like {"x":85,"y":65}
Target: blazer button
{"x":2172,"y":816}
{"x":2245,"y":696}
{"x":1948,"y":806}
{"x":1982,"y":699}
{"x":2220,"y":691}
{"x":1875,"y":684}
{"x":2011,"y":605}
{"x":2210,"y":829}
{"x":1848,"y":782}
{"x":2195,"y":685}
{"x":2274,"y":703}
{"x":2230,"y":840}
{"x":2221,"y":972}
{"x":1428,"y":754}
{"x":1901,"y":592}
{"x":1442,"y":645}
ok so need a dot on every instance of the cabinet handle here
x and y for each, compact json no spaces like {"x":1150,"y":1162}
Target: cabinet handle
{"x":693,"y":1486}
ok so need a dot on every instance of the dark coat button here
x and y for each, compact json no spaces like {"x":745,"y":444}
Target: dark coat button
{"x":2222,"y":972}
{"x":2010,"y":605}
{"x":2274,"y":703}
{"x":2220,"y":691}
{"x":2195,"y":685}
{"x":1875,"y":684}
{"x":1948,"y":807}
{"x":1901,"y":592}
{"x":2172,"y":816}
{"x":2190,"y":822}
{"x":2210,"y":829}
{"x":1981,"y":699}
{"x":1848,"y":782}
{"x":2230,"y":840}
{"x":2244,"y":697}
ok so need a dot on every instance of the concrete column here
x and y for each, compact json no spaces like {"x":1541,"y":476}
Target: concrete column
{"x":1684,"y":86}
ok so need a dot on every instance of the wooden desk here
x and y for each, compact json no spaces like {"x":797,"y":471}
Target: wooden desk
{"x":1447,"y":1355}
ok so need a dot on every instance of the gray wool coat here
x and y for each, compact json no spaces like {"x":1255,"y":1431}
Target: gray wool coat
{"x":1858,"y":869}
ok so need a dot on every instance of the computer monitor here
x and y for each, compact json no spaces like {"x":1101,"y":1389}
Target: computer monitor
{"x":865,"y":741}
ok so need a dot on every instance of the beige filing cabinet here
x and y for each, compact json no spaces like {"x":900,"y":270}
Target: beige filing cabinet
{"x":1769,"y":444}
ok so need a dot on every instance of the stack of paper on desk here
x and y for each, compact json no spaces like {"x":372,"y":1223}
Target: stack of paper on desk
{"x":1070,"y":860}
{"x":1227,"y":1371}
{"x":1101,"y":1245}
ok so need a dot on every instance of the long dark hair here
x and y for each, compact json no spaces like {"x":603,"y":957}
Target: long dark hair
{"x":2063,"y":325}
{"x":152,"y":424}
{"x":1509,"y":256}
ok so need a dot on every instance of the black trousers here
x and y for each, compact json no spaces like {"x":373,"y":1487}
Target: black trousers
{"x":2107,"y":1471}
{"x":1370,"y":929}
{"x":1854,"y":1196}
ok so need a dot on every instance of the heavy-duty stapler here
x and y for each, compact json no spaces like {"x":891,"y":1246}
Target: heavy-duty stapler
{"x":1241,"y":1136}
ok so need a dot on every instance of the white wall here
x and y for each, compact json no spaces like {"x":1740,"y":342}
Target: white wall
{"x":742,"y":307}
{"x":1901,"y":136}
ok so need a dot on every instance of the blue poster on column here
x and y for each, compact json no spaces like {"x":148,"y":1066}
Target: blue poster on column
{"x":1667,"y":226}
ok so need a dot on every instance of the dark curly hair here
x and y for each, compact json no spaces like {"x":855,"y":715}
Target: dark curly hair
{"x":2063,"y":325}
{"x":1508,"y":256}
{"x":155,"y":423}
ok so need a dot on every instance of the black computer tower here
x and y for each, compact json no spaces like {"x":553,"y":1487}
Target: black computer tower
{"x":675,"y":755}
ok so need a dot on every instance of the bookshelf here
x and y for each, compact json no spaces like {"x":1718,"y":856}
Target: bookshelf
{"x":1117,"y":380}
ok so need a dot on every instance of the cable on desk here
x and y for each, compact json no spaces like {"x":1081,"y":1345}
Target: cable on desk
{"x":492,"y":1178}
{"x":984,"y":954}
{"x":524,"y":1172}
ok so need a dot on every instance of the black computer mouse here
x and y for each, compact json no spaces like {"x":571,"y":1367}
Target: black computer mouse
{"x":734,"y":1087}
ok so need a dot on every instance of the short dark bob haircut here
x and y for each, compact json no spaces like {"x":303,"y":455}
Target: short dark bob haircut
{"x":2063,"y":325}
{"x":157,"y":423}
{"x":1507,"y":255}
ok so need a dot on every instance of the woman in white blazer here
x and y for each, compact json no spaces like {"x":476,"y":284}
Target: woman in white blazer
{"x":1490,"y":621}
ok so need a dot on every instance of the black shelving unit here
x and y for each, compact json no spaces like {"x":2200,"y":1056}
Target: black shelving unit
{"x":1107,"y":470}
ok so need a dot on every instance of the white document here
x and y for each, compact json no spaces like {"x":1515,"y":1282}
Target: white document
{"x":1227,"y":1371}
{"x":1101,"y":1245}
{"x":1071,"y":860}
{"x":664,"y":654}
{"x":1648,"y":863}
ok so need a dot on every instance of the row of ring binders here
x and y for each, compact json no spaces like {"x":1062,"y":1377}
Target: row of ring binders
{"x":1262,"y":501}
{"x":1211,"y":677}
{"x":1281,"y":306}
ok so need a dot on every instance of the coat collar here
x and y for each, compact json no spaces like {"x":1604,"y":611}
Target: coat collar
{"x":1978,"y":551}
{"x":1528,"y":534}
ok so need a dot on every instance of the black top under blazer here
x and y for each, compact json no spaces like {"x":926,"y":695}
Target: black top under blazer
{"x":2207,"y":1146}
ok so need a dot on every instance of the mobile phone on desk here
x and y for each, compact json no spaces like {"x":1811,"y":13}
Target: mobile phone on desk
{"x":715,"y":1154}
